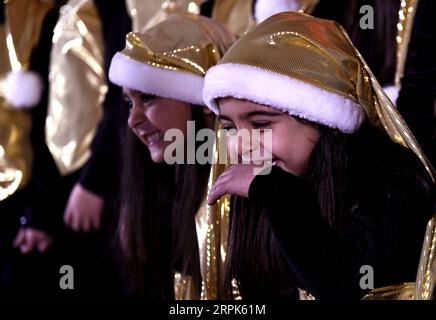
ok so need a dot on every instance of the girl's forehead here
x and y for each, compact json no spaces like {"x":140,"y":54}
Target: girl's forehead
{"x":130,"y":91}
{"x":240,"y":104}
{"x":234,"y":106}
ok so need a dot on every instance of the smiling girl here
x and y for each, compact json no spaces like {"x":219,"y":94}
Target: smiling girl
{"x":349,"y":187}
{"x":162,"y":72}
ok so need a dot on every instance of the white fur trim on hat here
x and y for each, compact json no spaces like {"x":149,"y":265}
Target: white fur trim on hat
{"x":172,"y":84}
{"x":281,"y":92}
{"x":264,"y":9}
{"x":23,"y":89}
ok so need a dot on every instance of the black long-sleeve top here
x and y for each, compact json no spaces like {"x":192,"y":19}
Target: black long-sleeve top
{"x":385,"y":231}
{"x":106,"y":146}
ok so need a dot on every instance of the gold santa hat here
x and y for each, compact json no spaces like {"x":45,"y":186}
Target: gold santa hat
{"x":171,"y":58}
{"x":309,"y":68}
{"x":22,"y":88}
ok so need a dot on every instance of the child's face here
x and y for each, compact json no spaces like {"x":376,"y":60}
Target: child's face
{"x":151,"y":116}
{"x":292,"y":140}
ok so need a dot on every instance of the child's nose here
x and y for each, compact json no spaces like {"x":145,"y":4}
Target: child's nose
{"x":242,"y":147}
{"x":136,"y":118}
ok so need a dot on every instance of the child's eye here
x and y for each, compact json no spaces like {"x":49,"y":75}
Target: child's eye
{"x":129,"y":104}
{"x":228,"y":127}
{"x":260,"y":124}
{"x":145,"y":97}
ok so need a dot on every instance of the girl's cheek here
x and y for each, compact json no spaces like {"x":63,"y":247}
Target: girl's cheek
{"x":232,"y":148}
{"x":267,"y":145}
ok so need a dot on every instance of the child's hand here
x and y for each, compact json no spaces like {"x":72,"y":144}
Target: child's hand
{"x":84,"y":210}
{"x":28,"y":239}
{"x":235,"y":180}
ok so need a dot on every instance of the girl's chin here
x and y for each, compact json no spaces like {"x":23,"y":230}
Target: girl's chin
{"x":294,"y":171}
{"x":157,"y":155}
{"x":280,"y":164}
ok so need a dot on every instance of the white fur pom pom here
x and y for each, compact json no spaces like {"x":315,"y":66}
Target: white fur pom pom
{"x":23,"y":89}
{"x":267,"y":8}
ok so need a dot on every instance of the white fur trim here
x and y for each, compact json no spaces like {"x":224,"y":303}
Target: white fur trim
{"x":392,"y":92}
{"x":264,"y":9}
{"x":281,"y":92}
{"x":177,"y":85}
{"x":23,"y":89}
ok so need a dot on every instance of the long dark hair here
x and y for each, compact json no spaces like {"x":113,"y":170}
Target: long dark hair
{"x":336,"y":170}
{"x":378,"y":45}
{"x":156,"y":229}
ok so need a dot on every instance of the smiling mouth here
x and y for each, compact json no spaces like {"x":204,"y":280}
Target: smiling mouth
{"x":153,"y":138}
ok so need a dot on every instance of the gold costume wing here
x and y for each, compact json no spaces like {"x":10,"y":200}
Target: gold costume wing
{"x":17,"y":41}
{"x":77,"y":85}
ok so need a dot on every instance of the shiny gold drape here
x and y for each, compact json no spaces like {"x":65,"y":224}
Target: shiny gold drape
{"x":212,"y":227}
{"x":142,"y":14}
{"x":17,"y":40}
{"x":145,"y":17}
{"x":406,"y":16}
{"x":24,"y":20}
{"x":15,"y":149}
{"x":77,"y":85}
{"x":236,"y":15}
{"x":426,"y":278}
{"x":213,"y":232}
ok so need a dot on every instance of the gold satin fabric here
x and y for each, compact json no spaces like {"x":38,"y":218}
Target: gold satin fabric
{"x":15,"y":149}
{"x":24,"y":21}
{"x":426,"y":278}
{"x":155,"y":11}
{"x":77,"y":85}
{"x":167,"y":46}
{"x":406,"y":16}
{"x":236,"y":15}
{"x":213,"y":232}
{"x":141,"y":14}
{"x":212,"y":227}
{"x":403,"y":291}
{"x":17,"y":41}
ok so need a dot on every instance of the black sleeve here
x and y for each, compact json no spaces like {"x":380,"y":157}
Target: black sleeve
{"x":416,"y":101}
{"x":206,"y":8}
{"x":101,"y":173}
{"x":44,"y":210}
{"x":325,"y":9}
{"x":2,"y":12}
{"x":327,"y":263}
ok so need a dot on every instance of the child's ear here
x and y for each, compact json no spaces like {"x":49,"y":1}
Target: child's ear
{"x":207,"y":111}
